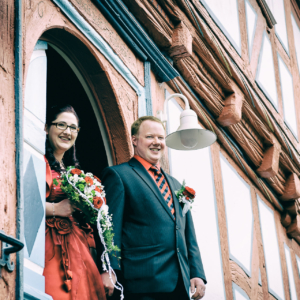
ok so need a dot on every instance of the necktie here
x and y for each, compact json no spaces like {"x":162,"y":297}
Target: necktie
{"x":164,"y":188}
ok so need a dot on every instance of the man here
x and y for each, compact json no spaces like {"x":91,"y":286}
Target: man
{"x":160,"y":258}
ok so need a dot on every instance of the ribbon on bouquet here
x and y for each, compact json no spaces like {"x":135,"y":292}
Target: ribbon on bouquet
{"x":186,"y":207}
{"x":104,"y":257}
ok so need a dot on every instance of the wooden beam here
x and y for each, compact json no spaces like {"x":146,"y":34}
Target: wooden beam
{"x":232,"y":111}
{"x":294,"y":229}
{"x":292,"y":188}
{"x":286,"y":219}
{"x":291,"y":208}
{"x":182,"y":42}
{"x":270,"y":164}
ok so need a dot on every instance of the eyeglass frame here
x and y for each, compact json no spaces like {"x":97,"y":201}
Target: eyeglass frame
{"x":68,"y":126}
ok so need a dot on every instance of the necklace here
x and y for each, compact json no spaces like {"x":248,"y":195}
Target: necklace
{"x":62,"y":165}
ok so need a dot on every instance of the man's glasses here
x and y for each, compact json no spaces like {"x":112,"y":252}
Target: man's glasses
{"x":64,"y":126}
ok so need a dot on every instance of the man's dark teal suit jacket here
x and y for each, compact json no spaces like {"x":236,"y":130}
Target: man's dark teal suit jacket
{"x":154,"y":247}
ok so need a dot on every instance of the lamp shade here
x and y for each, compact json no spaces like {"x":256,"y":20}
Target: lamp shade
{"x":189,"y":135}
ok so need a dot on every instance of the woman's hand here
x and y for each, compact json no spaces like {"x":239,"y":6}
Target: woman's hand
{"x":60,"y":209}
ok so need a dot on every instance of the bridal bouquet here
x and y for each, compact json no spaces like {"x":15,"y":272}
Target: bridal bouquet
{"x":186,"y":196}
{"x":86,"y":192}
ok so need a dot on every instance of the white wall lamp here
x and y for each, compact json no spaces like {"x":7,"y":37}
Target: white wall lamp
{"x":189,"y":135}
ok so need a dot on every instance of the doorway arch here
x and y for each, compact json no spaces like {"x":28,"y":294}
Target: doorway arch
{"x":98,"y":89}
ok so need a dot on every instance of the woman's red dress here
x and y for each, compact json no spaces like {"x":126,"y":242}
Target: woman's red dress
{"x":70,"y":271}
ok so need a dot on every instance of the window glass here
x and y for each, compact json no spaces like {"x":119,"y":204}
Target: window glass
{"x":225,"y":14}
{"x":296,"y":31}
{"x":196,"y":169}
{"x":298,"y":264}
{"x":239,"y":216}
{"x":278,"y":11}
{"x":265,"y":76}
{"x":251,"y":18}
{"x":293,"y":293}
{"x":287,"y":92}
{"x":271,"y":250}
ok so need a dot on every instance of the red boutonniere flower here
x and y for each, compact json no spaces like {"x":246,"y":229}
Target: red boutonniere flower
{"x":189,"y":192}
{"x":186,"y":196}
{"x":76,"y":172}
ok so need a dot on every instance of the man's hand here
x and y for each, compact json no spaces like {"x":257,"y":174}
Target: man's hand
{"x":108,"y":285}
{"x":197,"y":283}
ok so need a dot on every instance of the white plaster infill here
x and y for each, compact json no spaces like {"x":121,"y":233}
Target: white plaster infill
{"x":94,"y":37}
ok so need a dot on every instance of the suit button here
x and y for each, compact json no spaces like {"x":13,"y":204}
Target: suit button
{"x":177,"y":227}
{"x":178,"y":250}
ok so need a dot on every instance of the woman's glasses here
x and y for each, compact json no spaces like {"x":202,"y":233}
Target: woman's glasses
{"x":64,"y":126}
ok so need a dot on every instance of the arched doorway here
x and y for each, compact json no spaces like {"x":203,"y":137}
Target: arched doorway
{"x":64,"y":87}
{"x":74,"y":76}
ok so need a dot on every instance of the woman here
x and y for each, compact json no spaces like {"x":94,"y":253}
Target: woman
{"x":70,"y":271}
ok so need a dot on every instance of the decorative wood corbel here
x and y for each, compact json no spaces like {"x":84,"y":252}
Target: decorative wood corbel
{"x":232,"y":111}
{"x":294,"y":229}
{"x":182,"y":42}
{"x":291,"y":208}
{"x":292,"y":188}
{"x":270,"y":164}
{"x":286,"y":219}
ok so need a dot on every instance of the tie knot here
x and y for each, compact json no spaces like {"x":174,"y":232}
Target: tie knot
{"x":155,"y":170}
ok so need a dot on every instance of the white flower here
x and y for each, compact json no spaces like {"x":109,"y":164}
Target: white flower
{"x":89,"y":174}
{"x":97,"y":183}
{"x":75,"y":178}
{"x":105,"y":209}
{"x":80,"y":179}
{"x":88,"y":190}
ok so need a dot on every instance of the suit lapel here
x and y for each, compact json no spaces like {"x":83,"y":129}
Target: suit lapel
{"x":139,"y":169}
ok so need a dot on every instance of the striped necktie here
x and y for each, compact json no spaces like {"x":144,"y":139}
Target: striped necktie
{"x":164,"y":188}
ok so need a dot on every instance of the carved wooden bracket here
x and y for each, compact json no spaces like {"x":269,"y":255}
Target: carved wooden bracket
{"x":292,"y":188}
{"x":286,"y":219}
{"x":294,"y":229}
{"x":182,"y":42}
{"x":291,"y":208}
{"x":270,"y":164}
{"x":232,"y":111}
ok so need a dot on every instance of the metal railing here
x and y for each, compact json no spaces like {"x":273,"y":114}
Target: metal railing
{"x":9,"y":245}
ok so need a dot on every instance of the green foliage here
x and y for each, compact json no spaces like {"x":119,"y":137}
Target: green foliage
{"x":109,"y":237}
{"x":179,"y":192}
{"x":90,"y":214}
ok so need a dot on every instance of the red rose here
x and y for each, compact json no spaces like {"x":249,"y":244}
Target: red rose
{"x":88,"y":180}
{"x":189,"y":192}
{"x":98,"y":202}
{"x":97,"y":178}
{"x":76,"y":172}
{"x":63,"y":225}
{"x":50,"y":222}
{"x":98,"y":190}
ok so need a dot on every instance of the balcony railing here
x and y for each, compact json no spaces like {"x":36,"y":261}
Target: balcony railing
{"x":9,"y":245}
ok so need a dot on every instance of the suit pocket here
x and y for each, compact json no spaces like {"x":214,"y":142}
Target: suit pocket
{"x":140,"y":262}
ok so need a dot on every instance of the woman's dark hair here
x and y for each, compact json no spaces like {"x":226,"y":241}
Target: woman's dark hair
{"x":69,"y":158}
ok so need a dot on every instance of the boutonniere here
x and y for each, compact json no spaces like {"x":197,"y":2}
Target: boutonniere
{"x":186,"y":196}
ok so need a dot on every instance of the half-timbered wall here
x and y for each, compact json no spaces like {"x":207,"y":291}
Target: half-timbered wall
{"x":239,"y":66}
